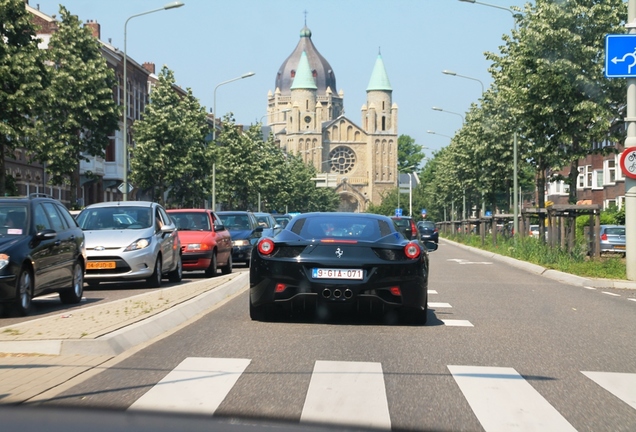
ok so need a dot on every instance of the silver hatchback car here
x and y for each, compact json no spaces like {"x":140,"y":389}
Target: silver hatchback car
{"x":130,"y":240}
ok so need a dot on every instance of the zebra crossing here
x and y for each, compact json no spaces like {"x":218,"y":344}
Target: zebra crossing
{"x":354,"y":393}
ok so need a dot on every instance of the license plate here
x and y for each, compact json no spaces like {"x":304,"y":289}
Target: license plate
{"x":326,"y":273}
{"x":619,"y":247}
{"x":100,"y":265}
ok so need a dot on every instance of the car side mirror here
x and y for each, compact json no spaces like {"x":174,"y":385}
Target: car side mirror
{"x":168,"y":228}
{"x":430,"y":246}
{"x":258,"y":229}
{"x":219,"y":227}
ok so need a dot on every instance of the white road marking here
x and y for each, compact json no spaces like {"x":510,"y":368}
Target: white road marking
{"x":590,"y":288}
{"x":457,"y":323}
{"x":432,"y":292}
{"x":504,"y":401}
{"x":439,"y":305}
{"x":347,"y":393}
{"x":476,"y":262}
{"x":612,"y":294}
{"x":621,"y":385}
{"x":632,"y":299}
{"x":196,"y":386}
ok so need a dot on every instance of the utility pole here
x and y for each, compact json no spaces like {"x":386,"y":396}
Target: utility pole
{"x":630,"y":141}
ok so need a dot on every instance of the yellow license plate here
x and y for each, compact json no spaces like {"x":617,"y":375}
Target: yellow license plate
{"x":99,"y":265}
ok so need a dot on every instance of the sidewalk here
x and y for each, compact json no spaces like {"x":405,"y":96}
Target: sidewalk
{"x":41,"y":354}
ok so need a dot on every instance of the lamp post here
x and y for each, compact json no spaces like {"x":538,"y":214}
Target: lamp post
{"x":451,"y":73}
{"x":435,"y":133}
{"x":450,"y":112}
{"x":171,"y":5}
{"x":246,"y":75}
{"x":515,"y":186}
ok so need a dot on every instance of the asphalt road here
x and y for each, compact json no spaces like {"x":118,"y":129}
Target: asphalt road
{"x":504,"y":350}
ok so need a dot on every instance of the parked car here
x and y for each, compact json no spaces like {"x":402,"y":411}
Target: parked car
{"x":130,"y":240}
{"x":205,"y":243}
{"x":269,"y":224}
{"x":612,"y":238}
{"x":42,"y":250}
{"x":245,"y":231}
{"x":282,"y":219}
{"x":350,"y":261}
{"x":406,"y":225}
{"x":534,"y":231}
{"x":428,"y":231}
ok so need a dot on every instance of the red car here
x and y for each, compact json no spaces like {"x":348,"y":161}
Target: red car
{"x":205,"y":243}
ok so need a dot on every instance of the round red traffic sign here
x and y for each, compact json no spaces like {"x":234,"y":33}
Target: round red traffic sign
{"x":628,"y":162}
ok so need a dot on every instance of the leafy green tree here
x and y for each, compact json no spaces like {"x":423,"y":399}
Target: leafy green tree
{"x":195,"y":161}
{"x":171,"y":158}
{"x":551,"y":74}
{"x":23,"y":77}
{"x":81,"y":112}
{"x":409,"y":153}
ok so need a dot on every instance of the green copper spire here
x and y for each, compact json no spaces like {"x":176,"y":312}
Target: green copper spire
{"x":304,"y":79}
{"x":379,"y":79}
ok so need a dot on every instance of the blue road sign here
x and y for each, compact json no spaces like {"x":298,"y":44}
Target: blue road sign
{"x":620,"y":56}
{"x":398,"y":212}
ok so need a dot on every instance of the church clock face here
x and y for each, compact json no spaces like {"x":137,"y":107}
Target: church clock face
{"x":342,"y":160}
{"x":307,"y":119}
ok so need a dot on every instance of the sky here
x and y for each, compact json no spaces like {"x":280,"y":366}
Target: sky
{"x":207,"y":42}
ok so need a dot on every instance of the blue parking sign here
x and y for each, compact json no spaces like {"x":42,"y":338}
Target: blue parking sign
{"x":398,"y":212}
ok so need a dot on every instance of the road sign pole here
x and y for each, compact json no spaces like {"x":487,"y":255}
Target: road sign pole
{"x":630,"y":141}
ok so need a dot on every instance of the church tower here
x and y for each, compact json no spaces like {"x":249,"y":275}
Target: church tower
{"x":307,"y":118}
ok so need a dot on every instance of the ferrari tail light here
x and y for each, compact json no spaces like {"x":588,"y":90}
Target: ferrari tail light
{"x":266,"y":246}
{"x":604,"y":237}
{"x":412,"y":250}
{"x":280,"y":288}
{"x":395,"y":290}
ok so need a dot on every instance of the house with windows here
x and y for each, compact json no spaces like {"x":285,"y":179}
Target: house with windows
{"x":600,"y":180}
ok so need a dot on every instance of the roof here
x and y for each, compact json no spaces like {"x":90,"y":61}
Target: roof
{"x":379,"y":78}
{"x":303,"y":78}
{"x":324,"y":75}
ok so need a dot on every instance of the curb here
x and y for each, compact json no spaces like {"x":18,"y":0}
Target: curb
{"x":127,"y":337}
{"x":549,"y":273}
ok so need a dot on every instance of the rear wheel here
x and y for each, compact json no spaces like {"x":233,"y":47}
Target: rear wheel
{"x":228,"y":268}
{"x":24,"y":292}
{"x":415,"y":316}
{"x":73,"y":294}
{"x":177,"y":274}
{"x":259,"y":313}
{"x":154,"y":281}
{"x":211,"y":271}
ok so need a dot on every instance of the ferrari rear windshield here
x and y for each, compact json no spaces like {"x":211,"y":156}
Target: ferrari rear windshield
{"x":362,"y":228}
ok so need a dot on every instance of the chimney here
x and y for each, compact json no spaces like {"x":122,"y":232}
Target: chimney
{"x":95,"y":28}
{"x":150,"y":67}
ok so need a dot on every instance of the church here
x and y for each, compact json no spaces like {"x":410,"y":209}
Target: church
{"x":307,"y":118}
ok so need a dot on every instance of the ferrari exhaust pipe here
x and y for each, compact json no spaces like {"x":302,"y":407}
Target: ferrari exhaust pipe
{"x":337,"y":293}
{"x":348,"y":293}
{"x":326,"y":293}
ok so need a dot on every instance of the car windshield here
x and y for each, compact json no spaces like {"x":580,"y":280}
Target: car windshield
{"x":191,"y":221}
{"x":235,"y":222}
{"x":336,"y":227}
{"x":115,"y":218}
{"x":14,"y":219}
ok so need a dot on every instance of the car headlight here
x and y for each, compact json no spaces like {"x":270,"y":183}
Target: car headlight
{"x":243,"y":242}
{"x":197,"y":247}
{"x":4,"y":261}
{"x":138,"y":244}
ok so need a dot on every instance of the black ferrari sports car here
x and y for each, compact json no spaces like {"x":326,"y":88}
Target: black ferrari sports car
{"x":351,"y":261}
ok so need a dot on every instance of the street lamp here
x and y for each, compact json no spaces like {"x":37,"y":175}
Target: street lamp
{"x":435,"y":133}
{"x":451,"y":73}
{"x":450,"y":112}
{"x":275,"y":112}
{"x":515,"y":186}
{"x":246,"y":75}
{"x":171,"y":5}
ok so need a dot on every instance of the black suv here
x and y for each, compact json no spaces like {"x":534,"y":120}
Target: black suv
{"x":41,"y":251}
